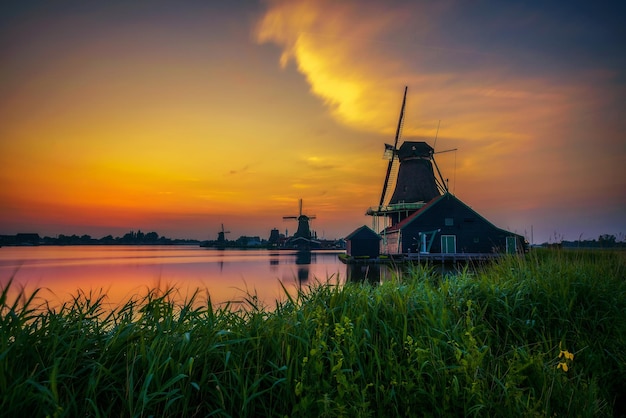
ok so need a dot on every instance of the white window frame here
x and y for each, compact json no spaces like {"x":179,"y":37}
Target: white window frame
{"x":508,"y":249}
{"x":444,"y":248}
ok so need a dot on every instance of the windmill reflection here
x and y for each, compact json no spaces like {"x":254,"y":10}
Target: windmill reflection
{"x":274,"y":261}
{"x":303,"y":260}
{"x":221,"y":258}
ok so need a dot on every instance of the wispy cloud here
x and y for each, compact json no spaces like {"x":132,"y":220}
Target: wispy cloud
{"x":317,"y":163}
{"x":331,"y":45}
{"x":242,"y":170}
{"x":347,"y":54}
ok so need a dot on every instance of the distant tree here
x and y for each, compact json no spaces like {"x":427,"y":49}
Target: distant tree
{"x":68,"y":240}
{"x":107,"y":240}
{"x":151,"y":237}
{"x":165,"y":240}
{"x":129,"y":237}
{"x":606,"y":240}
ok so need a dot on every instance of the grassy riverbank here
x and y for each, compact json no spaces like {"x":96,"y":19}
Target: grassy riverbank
{"x":541,"y":336}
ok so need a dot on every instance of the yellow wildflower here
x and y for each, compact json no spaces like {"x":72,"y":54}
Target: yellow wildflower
{"x":567,"y":356}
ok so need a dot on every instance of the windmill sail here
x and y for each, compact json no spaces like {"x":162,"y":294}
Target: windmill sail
{"x":221,"y":235}
{"x":393,"y":151}
{"x":393,"y":179}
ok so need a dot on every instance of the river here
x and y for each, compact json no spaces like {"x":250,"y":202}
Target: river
{"x":125,"y":272}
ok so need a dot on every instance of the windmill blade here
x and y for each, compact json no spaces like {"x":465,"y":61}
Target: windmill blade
{"x":441,"y":183}
{"x":436,"y":135}
{"x":395,"y":147}
{"x":400,"y":120}
{"x":299,"y":212}
{"x":386,"y":183}
{"x":448,"y":150}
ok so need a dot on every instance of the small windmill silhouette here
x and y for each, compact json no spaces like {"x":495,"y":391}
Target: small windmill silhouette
{"x":304,"y":230}
{"x":221,"y":236}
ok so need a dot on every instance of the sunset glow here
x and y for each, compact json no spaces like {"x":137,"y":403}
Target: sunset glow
{"x":179,"y":118}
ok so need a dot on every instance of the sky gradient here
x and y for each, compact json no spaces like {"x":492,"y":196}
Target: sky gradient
{"x":176,"y":117}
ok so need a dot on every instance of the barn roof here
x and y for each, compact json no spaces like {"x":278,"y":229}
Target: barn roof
{"x":408,"y":220}
{"x":363,"y":232}
{"x":431,"y":204}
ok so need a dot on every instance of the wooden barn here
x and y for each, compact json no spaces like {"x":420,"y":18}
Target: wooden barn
{"x":446,"y":225}
{"x":363,"y":242}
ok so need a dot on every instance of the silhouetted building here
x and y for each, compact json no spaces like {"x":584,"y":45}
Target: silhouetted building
{"x":445,"y":225}
{"x":20,"y":239}
{"x":363,"y":242}
{"x":274,"y":237}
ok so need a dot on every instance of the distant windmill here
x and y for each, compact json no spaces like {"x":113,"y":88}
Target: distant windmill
{"x":221,"y":236}
{"x":304,"y":231}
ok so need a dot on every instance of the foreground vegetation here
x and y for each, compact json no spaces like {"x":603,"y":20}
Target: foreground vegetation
{"x":541,"y":336}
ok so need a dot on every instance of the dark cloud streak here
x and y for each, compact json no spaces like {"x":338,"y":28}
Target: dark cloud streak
{"x":557,"y":36}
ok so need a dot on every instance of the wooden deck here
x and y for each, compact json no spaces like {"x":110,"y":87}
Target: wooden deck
{"x":421,"y":258}
{"x":451,"y":258}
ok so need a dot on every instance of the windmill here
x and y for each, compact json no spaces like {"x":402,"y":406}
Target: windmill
{"x":221,"y":236}
{"x":410,"y":175}
{"x":304,"y":231}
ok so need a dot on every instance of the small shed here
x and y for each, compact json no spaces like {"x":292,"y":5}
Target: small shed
{"x":363,"y":242}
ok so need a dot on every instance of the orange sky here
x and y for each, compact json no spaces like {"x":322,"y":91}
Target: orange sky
{"x":176,"y":118}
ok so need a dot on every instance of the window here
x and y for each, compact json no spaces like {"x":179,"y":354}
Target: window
{"x":511,"y":245}
{"x":448,"y":244}
{"x":449,"y":221}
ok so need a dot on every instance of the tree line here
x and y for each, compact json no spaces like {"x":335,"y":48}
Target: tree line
{"x":130,"y":238}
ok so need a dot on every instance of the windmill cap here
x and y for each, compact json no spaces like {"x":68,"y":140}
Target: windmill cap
{"x":415,"y":149}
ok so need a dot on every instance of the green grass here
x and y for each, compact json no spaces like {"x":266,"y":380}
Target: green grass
{"x":480,"y":344}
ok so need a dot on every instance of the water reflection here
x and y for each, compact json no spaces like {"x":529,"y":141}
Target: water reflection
{"x":303,"y":260}
{"x":364,"y":273}
{"x":123,"y":272}
{"x":274,"y":261}
{"x":220,"y":251}
{"x":370,"y":273}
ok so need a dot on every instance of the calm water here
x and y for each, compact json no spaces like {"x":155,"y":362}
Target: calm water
{"x":122,"y":272}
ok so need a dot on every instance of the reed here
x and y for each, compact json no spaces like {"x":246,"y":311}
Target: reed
{"x":543,"y":335}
